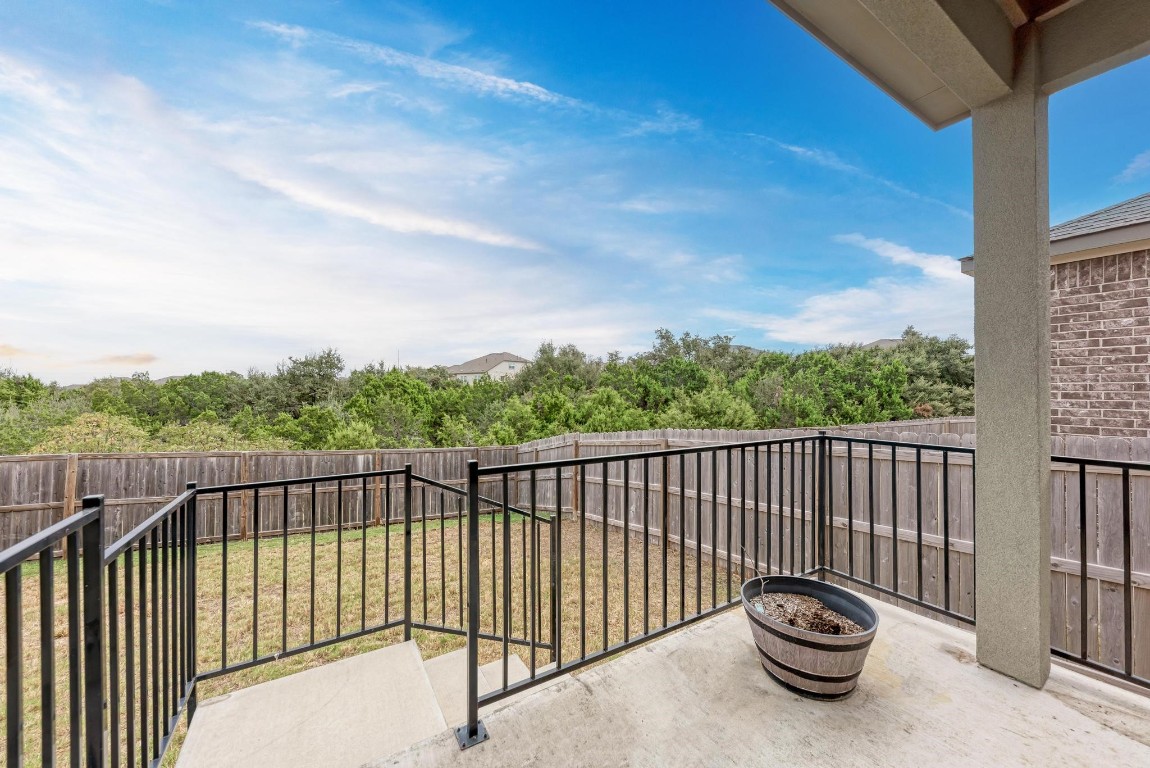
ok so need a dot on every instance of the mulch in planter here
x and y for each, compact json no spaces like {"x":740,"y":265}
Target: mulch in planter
{"x":804,"y":612}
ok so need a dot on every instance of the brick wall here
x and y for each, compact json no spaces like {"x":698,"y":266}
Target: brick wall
{"x":1100,"y":346}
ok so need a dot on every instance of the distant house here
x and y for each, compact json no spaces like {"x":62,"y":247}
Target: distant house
{"x":497,"y":365}
{"x":883,"y":344}
{"x":1100,"y":321}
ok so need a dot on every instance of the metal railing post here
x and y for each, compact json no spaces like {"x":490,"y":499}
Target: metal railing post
{"x":407,"y":552}
{"x":473,"y":731}
{"x":821,"y":496}
{"x":191,"y":646}
{"x":92,"y":538}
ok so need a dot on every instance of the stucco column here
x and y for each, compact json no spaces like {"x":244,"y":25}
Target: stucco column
{"x":1012,"y":375}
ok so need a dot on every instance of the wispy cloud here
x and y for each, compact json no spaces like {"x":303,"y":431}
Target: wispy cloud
{"x":138,"y":359}
{"x":665,"y":121}
{"x":831,"y":161}
{"x":1136,"y":168}
{"x":938,"y":300}
{"x":447,"y":74}
{"x":7,"y":350}
{"x":934,"y":266}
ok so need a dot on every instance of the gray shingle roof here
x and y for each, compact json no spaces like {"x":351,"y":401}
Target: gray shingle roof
{"x":485,"y":363}
{"x":1124,"y":214}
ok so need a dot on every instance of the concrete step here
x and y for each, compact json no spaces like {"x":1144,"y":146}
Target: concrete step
{"x":448,"y":676}
{"x":341,"y":714}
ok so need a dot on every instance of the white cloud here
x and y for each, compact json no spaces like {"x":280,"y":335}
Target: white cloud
{"x":1137,"y":168}
{"x":451,"y":75}
{"x":134,"y":235}
{"x":665,"y":121}
{"x":939,"y":300}
{"x":933,"y":266}
{"x":829,"y":160}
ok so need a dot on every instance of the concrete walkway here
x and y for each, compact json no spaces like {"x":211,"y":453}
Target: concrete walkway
{"x":700,"y":698}
{"x":340,"y":714}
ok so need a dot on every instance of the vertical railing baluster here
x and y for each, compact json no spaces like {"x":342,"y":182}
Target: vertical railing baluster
{"x":366,"y":513}
{"x":1127,"y":577}
{"x":870,"y":494}
{"x":606,"y":551}
{"x":47,"y":576}
{"x":387,"y":556}
{"x":698,"y":532}
{"x":534,"y":568}
{"x":506,"y":582}
{"x":714,"y":528}
{"x":256,"y":576}
{"x":407,"y":552}
{"x":1083,"y":582}
{"x":682,"y":536}
{"x":582,"y":561}
{"x":472,"y":732}
{"x":338,"y":557}
{"x":75,"y":602}
{"x":802,"y":508}
{"x":423,"y":546}
{"x":93,"y":542}
{"x":284,"y":575}
{"x":665,"y":518}
{"x":557,"y":571}
{"x":894,"y":516}
{"x":442,"y":565}
{"x":14,"y":665}
{"x":626,"y":548}
{"x":755,"y":509}
{"x":918,"y":515}
{"x":827,"y":501}
{"x":850,"y":508}
{"x":114,"y":663}
{"x":646,"y":546}
{"x":225,"y":534}
{"x":727,"y":547}
{"x":311,"y":584}
{"x":946,"y":529}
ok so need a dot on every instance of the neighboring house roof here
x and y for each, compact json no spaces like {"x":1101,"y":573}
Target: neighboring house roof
{"x":485,"y":363}
{"x":1118,"y":228}
{"x":883,"y":344}
{"x":1125,"y":214}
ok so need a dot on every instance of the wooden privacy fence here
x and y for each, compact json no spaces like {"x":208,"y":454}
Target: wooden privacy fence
{"x":36,"y":491}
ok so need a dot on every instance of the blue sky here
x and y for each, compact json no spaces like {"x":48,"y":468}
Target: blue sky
{"x":216,"y":185}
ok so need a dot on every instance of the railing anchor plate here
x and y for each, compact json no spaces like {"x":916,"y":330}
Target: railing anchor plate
{"x":466,"y":741}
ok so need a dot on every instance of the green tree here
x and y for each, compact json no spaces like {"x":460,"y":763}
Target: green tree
{"x":95,"y":433}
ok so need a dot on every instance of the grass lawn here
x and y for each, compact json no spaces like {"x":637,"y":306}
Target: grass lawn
{"x":359,"y":582}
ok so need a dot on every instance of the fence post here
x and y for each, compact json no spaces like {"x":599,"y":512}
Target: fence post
{"x":406,"y":552}
{"x":473,"y":731}
{"x":190,"y":644}
{"x":92,"y":541}
{"x":821,"y":495}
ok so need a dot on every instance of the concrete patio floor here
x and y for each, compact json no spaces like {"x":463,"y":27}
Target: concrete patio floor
{"x":699,"y":697}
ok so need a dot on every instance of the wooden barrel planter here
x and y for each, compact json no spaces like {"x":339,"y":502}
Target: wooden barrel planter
{"x":812,"y":664}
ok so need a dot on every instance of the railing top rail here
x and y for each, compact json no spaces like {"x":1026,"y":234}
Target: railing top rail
{"x":461,"y":492}
{"x":1110,"y":463}
{"x":37,"y":543}
{"x":126,"y":541}
{"x":233,"y":487}
{"x":901,"y":444}
{"x":640,"y":455}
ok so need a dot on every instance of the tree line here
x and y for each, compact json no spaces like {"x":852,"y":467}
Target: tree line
{"x":313,"y":403}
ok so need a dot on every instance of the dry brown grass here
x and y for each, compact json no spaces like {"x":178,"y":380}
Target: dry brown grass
{"x":368,"y":590}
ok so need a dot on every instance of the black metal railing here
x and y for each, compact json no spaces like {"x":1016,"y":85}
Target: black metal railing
{"x":553,"y":566}
{"x":333,"y":534}
{"x":1105,"y":503}
{"x":150,"y":626}
{"x":648,"y":542}
{"x":82,"y":535}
